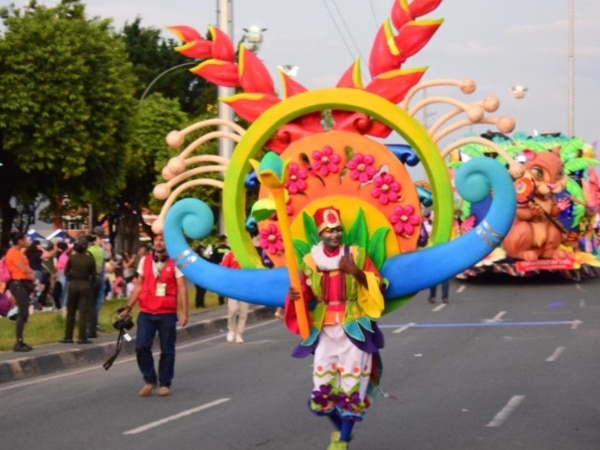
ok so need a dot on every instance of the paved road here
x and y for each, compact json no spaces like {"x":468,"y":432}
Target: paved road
{"x":510,"y":365}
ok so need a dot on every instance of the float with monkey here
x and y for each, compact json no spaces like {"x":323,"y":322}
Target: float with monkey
{"x":555,"y":228}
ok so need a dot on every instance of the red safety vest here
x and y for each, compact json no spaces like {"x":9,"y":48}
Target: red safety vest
{"x":148,"y":300}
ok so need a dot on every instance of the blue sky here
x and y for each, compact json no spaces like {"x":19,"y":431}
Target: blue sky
{"x":498,"y":44}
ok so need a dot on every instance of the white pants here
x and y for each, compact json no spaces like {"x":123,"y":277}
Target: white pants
{"x":340,"y":363}
{"x":237,"y":313}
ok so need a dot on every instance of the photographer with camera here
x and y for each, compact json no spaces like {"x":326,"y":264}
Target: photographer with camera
{"x":157,"y":288}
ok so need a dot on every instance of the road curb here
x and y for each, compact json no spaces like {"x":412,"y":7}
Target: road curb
{"x":43,"y":362}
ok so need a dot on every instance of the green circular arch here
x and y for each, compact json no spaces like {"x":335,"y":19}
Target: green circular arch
{"x":304,"y":103}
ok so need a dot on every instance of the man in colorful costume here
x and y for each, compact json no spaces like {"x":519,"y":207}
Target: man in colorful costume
{"x":341,"y":291}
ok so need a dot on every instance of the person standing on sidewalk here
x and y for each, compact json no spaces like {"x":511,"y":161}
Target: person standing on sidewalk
{"x":157,"y":288}
{"x":20,"y":285}
{"x":96,"y":249}
{"x":81,"y":273}
{"x":217,"y":256}
{"x":445,"y":290}
{"x":237,"y":311}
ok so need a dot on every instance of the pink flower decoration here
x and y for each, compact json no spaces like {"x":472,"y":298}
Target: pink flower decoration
{"x":325,"y":161}
{"x":404,"y":219}
{"x":296,"y":181}
{"x":361,"y":167}
{"x":289,"y":209}
{"x":386,"y":188}
{"x":270,"y":240}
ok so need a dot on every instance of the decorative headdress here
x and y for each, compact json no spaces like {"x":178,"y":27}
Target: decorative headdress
{"x":327,"y":217}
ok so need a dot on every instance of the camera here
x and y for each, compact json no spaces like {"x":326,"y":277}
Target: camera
{"x":123,"y":323}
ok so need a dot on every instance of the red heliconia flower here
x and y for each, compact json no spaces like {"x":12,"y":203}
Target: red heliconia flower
{"x":352,"y":78}
{"x":361,"y":167}
{"x":221,"y":73}
{"x":403,"y":12}
{"x":223,"y":48}
{"x":404,"y":220}
{"x":254,"y":76}
{"x":185,"y":33}
{"x":325,"y":161}
{"x":296,"y":181}
{"x":395,"y":84}
{"x":386,"y":188}
{"x":271,"y":240}
{"x":251,"y":105}
{"x":290,"y":86}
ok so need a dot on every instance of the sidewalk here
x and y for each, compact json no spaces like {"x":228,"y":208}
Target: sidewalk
{"x":52,"y":358}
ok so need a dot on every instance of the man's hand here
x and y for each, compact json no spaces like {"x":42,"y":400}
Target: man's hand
{"x":348,"y":265}
{"x":183,"y":319}
{"x":293,"y":293}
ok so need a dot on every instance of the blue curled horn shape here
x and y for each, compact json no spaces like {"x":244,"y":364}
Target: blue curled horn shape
{"x":407,"y":273}
{"x":193,"y":218}
{"x":411,"y":272}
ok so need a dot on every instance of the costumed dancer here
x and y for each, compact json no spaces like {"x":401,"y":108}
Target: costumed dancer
{"x":341,"y":289}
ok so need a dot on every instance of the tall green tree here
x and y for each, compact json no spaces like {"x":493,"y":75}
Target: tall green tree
{"x":66,"y":107}
{"x":159,"y":68}
{"x":147,"y":154}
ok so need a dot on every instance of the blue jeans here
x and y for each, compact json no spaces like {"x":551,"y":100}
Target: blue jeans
{"x":147,"y":327}
{"x":445,"y":288}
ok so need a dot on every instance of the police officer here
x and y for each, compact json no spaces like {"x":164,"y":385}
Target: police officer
{"x":81,"y":274}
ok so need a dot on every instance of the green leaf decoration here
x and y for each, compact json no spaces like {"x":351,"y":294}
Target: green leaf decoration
{"x":263,"y":209}
{"x":301,"y":249}
{"x":570,"y":150}
{"x":310,"y":228}
{"x":577,"y":164}
{"x":465,"y":210}
{"x":455,"y":164}
{"x":376,"y":247}
{"x":575,"y":191}
{"x":471,"y":151}
{"x":358,"y":234}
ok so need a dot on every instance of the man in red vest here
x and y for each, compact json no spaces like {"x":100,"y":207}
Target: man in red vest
{"x":157,"y":288}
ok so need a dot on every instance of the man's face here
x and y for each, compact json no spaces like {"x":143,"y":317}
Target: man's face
{"x":159,"y":243}
{"x":331,"y":237}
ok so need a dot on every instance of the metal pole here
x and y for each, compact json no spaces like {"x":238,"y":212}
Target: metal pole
{"x":571,"y":58}
{"x":225,"y":24}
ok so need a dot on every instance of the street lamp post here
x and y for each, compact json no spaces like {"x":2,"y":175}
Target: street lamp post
{"x":518,"y":91}
{"x":160,"y":75}
{"x":571,"y":61}
{"x":225,"y":24}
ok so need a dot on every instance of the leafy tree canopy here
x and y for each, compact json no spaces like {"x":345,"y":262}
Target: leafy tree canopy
{"x":66,"y":105}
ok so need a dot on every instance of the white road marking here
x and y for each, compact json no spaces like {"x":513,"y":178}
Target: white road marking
{"x":582,"y":303}
{"x":461,"y":288}
{"x":45,"y":378}
{"x":576,"y":324}
{"x":168,"y":419}
{"x":578,"y":286}
{"x":405,"y":327}
{"x":512,"y":404}
{"x":496,"y":318}
{"x":439,"y":307}
{"x":554,"y":356}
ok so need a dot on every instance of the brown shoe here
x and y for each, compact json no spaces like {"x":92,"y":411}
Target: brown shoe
{"x":163,"y":391}
{"x":431,"y":299}
{"x":147,"y":390}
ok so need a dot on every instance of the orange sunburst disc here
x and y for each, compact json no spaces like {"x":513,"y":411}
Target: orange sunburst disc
{"x":353,"y":173}
{"x":525,"y":189}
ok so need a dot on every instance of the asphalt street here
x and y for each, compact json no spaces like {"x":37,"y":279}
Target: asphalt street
{"x":508,"y":364}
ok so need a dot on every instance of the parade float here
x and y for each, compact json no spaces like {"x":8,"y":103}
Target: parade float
{"x":304,"y":149}
{"x":558,"y":199}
